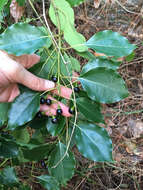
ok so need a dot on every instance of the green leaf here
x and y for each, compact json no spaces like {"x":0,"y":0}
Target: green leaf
{"x":99,"y":62}
{"x":93,"y":142}
{"x":21,"y":2}
{"x":8,"y":149}
{"x":48,"y":182}
{"x":89,"y":109}
{"x":8,"y":177}
{"x":62,"y":16}
{"x":22,"y":38}
{"x":130,"y":57}
{"x":38,"y":123}
{"x":110,"y":43}
{"x":37,"y":152}
{"x":52,"y":65}
{"x":75,"y":64}
{"x":74,"y":39}
{"x":2,"y":4}
{"x":48,"y":40}
{"x":21,"y":135}
{"x":38,"y":136}
{"x":23,"y":109}
{"x":4,"y":107}
{"x":24,"y":187}
{"x":104,"y":85}
{"x":65,"y":169}
{"x":87,"y":55}
{"x":55,"y":129}
{"x":75,"y":2}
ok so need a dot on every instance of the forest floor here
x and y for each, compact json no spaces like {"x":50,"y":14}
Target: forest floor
{"x":124,"y":119}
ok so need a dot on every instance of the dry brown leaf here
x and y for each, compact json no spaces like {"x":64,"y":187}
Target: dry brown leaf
{"x":97,"y":3}
{"x":130,"y":146}
{"x":99,"y":54}
{"x":135,"y":127}
{"x":16,"y":11}
{"x":102,"y":54}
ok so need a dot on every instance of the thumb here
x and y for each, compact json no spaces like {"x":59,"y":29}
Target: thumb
{"x":33,"y":82}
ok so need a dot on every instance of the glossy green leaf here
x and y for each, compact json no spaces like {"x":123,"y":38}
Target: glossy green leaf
{"x":74,"y":39}
{"x":62,"y":16}
{"x":104,"y":85}
{"x":93,"y":142}
{"x":98,"y":62}
{"x":87,"y":55}
{"x":21,"y":135}
{"x":110,"y":43}
{"x":89,"y":109}
{"x":37,"y":152}
{"x":23,"y":109}
{"x":4,"y":107}
{"x":8,"y":149}
{"x":48,"y":182}
{"x":48,"y":39}
{"x":22,"y":38}
{"x":65,"y":169}
{"x":8,"y":177}
{"x":52,"y":65}
{"x":55,"y":129}
{"x":74,"y":3}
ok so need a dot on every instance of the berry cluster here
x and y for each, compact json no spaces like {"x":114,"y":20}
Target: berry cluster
{"x":49,"y":102}
{"x":45,"y":101}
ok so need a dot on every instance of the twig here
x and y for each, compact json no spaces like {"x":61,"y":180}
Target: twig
{"x":125,"y":8}
{"x":57,"y":47}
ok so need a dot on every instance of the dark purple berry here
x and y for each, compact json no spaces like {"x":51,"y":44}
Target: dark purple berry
{"x":43,"y":164}
{"x":39,"y":114}
{"x":76,"y":89}
{"x":71,"y":110}
{"x":54,"y":79}
{"x":59,"y":111}
{"x":48,"y":102}
{"x":42,"y":100}
{"x":54,"y":120}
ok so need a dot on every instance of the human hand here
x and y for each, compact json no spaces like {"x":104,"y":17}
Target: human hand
{"x":13,"y":71}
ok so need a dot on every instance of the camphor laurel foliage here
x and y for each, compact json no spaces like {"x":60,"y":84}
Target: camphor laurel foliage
{"x":99,"y":83}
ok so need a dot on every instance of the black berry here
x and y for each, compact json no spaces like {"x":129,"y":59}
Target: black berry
{"x":76,"y":89}
{"x":43,"y":164}
{"x":42,"y":100}
{"x":71,"y":110}
{"x":54,"y":120}
{"x":39,"y":114}
{"x":48,"y":102}
{"x":54,"y":79}
{"x":59,"y":111}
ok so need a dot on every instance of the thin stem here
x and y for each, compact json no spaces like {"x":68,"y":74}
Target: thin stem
{"x":3,"y":162}
{"x":70,"y":81}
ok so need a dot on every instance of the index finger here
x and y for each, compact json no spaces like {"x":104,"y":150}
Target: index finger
{"x":63,"y":92}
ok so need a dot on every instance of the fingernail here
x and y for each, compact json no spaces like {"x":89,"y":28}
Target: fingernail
{"x":49,"y":84}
